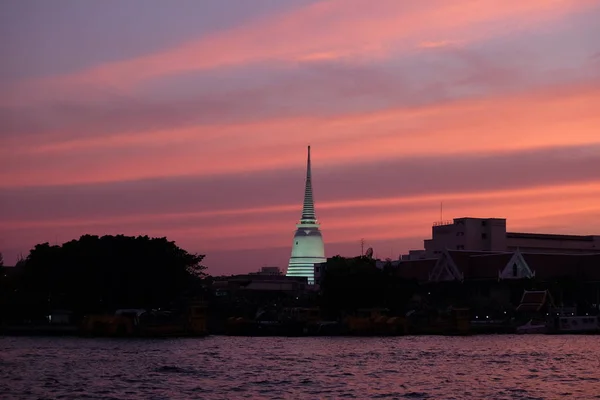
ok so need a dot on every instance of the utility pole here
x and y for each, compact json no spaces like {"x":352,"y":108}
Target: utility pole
{"x":362,"y":247}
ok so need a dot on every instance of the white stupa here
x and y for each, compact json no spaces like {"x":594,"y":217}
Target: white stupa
{"x":308,"y":248}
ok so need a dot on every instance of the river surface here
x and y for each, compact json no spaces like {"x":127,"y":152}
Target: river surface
{"x":219,"y":367}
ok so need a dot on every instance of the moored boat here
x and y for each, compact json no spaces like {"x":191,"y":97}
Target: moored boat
{"x":574,"y":324}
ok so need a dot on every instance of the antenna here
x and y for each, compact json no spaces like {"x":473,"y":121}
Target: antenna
{"x":441,"y":221}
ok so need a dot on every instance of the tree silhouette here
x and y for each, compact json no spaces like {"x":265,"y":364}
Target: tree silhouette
{"x":94,"y":274}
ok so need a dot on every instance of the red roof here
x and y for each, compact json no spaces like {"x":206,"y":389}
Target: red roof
{"x":487,"y":266}
{"x":552,"y":266}
{"x":479,"y":264}
{"x":589,"y":269}
{"x":415,"y":269}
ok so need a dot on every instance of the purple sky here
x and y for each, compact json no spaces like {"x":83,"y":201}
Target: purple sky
{"x":190,"y":119}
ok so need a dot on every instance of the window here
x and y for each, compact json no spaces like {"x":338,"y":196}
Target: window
{"x":483,"y":223}
{"x":484,"y":235}
{"x":460,"y":247}
{"x":515,"y":269}
{"x":460,"y":234}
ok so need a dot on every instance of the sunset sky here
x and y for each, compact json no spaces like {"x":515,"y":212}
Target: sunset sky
{"x":190,"y":119}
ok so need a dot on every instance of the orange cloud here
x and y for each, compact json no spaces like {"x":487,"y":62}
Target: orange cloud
{"x":493,"y":125}
{"x":393,"y":223}
{"x":551,"y":209}
{"x":562,"y":198}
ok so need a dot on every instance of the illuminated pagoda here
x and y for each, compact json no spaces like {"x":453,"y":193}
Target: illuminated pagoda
{"x":308,"y":248}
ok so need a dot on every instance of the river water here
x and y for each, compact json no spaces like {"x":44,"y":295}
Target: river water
{"x":218,"y":367}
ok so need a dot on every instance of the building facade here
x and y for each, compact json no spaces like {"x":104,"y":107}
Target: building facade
{"x":551,"y":243}
{"x":308,"y":248}
{"x":489,"y":234}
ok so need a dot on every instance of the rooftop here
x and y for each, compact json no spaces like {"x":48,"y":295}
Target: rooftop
{"x":551,"y":236}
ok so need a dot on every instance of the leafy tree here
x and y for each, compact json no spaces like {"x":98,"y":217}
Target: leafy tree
{"x":94,"y":274}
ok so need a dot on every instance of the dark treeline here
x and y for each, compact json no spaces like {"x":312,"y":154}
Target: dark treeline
{"x":101,"y":274}
{"x":353,"y":283}
{"x":98,"y":274}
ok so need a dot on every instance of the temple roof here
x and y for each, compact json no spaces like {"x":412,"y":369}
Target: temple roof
{"x":415,"y":269}
{"x":476,"y":265}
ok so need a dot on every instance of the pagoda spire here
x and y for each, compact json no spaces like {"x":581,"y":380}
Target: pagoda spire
{"x":307,"y":248}
{"x":308,"y":209}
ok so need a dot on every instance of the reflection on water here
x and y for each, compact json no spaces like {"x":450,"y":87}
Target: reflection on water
{"x":482,"y":367}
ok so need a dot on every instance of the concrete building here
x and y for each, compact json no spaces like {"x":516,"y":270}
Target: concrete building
{"x":307,"y":248}
{"x":489,"y":234}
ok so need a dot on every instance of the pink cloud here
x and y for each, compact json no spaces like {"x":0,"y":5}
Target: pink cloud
{"x":403,"y":102}
{"x":337,"y":28}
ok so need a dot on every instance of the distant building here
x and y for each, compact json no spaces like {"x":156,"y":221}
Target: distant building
{"x":489,"y":234}
{"x":268,"y":271}
{"x":307,"y":248}
{"x":259,"y":283}
{"x":414,"y":255}
{"x":552,"y":243}
{"x":320,"y":269}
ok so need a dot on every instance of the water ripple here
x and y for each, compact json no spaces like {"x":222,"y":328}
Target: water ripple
{"x":484,"y":367}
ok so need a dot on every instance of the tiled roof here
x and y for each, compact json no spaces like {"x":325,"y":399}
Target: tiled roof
{"x":415,"y":269}
{"x":479,"y":264}
{"x":579,"y":266}
{"x":550,"y":236}
{"x":487,"y":266}
{"x":589,"y":269}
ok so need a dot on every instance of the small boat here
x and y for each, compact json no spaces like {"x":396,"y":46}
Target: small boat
{"x":533,"y":327}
